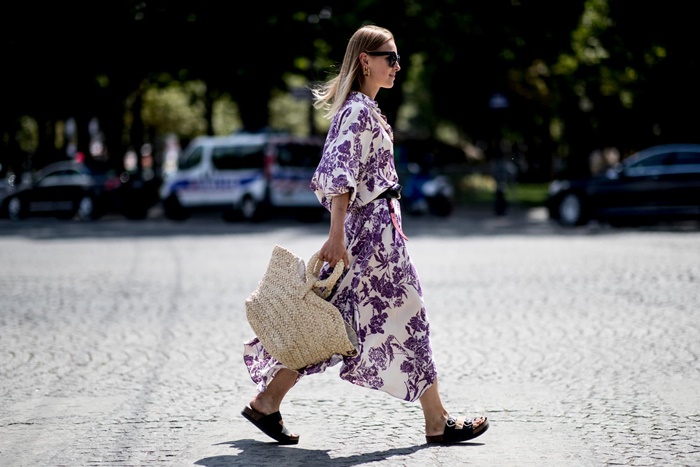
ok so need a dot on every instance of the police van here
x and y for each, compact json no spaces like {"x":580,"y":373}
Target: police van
{"x":244,"y":176}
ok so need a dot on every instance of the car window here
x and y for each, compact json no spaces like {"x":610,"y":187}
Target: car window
{"x":61,"y":177}
{"x":687,"y":157}
{"x":666,"y":163}
{"x":656,"y":160}
{"x":649,"y":166}
{"x":298,"y":155}
{"x":237,"y":157}
{"x":683,"y":162}
{"x":192,"y":159}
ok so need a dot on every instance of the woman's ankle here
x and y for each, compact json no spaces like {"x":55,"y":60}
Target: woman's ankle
{"x":263,"y":404}
{"x":435,"y":422}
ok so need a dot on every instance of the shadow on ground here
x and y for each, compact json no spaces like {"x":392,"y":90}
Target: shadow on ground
{"x":258,"y":453}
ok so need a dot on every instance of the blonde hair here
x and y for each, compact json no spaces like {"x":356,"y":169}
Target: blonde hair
{"x":331,"y":95}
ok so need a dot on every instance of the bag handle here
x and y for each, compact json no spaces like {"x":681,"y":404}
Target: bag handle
{"x":314,"y":269}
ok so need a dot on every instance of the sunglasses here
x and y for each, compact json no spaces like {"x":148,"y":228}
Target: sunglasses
{"x":393,"y":57}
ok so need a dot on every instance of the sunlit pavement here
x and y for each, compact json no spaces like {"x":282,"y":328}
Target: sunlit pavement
{"x":121,"y":341}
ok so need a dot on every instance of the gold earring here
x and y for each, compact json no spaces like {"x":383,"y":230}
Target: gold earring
{"x":367,"y":71}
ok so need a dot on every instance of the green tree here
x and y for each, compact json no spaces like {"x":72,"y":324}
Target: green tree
{"x":577,"y":75}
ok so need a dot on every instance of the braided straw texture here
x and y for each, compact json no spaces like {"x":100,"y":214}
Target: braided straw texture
{"x":291,"y":316}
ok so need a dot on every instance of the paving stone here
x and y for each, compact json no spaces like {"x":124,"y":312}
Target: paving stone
{"x":121,"y":343}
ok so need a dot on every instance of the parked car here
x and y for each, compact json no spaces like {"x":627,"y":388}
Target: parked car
{"x":423,"y":166}
{"x":426,"y":193}
{"x":70,"y":189}
{"x":244,"y":176}
{"x":655,"y":184}
{"x":6,"y":186}
{"x":138,"y":192}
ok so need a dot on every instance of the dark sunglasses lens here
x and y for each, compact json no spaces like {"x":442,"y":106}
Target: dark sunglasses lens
{"x":392,"y":57}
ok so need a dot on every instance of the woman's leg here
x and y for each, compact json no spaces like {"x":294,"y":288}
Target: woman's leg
{"x":269,"y":400}
{"x":264,"y":408}
{"x":434,"y":412}
{"x":436,"y":415}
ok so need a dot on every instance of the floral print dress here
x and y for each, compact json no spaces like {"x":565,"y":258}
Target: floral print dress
{"x":380,"y":292}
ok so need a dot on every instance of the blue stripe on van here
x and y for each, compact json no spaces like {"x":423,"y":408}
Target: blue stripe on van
{"x":214,"y":183}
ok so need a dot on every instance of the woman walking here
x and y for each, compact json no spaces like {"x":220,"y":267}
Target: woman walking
{"x":380,"y":292}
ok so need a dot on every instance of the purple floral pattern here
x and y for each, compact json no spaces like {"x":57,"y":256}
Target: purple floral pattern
{"x":380,"y":292}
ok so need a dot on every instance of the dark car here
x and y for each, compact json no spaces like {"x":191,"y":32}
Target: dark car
{"x":425,"y":192}
{"x":660,"y":183}
{"x":69,"y":189}
{"x":423,"y":166}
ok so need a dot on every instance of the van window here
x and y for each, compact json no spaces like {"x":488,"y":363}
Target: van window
{"x":192,"y":159}
{"x":237,"y":157}
{"x":298,"y":155}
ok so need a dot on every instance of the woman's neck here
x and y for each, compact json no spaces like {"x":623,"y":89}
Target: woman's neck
{"x":369,"y":91}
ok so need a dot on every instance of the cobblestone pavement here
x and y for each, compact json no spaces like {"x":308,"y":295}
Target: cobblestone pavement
{"x":121,"y":342}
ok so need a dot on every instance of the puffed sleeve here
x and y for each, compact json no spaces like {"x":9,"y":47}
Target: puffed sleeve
{"x":347,"y":147}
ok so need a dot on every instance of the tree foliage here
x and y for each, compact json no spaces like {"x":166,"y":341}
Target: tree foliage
{"x":577,"y":76}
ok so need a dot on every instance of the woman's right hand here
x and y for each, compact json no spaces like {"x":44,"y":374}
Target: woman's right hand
{"x":333,"y":251}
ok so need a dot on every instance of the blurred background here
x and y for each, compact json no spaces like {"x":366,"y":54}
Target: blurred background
{"x":493,"y":96}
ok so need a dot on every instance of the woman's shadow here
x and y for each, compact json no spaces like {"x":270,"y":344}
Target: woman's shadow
{"x":257,"y":453}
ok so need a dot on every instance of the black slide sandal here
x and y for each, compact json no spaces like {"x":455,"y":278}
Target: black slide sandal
{"x":272,"y":425}
{"x":453,"y":434}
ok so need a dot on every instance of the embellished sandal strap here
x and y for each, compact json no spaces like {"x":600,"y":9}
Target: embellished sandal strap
{"x":453,"y":434}
{"x":467,"y":424}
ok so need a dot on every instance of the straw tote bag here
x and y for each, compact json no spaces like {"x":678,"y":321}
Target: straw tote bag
{"x":291,"y":316}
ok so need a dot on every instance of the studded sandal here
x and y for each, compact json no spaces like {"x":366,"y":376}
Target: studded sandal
{"x":454,"y":434}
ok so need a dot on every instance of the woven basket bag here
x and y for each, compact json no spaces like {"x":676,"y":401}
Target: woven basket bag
{"x":291,"y":316}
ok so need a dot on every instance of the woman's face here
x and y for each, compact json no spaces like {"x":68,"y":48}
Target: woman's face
{"x":383,"y":64}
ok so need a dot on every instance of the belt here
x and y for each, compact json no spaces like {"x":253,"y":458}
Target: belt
{"x":393,"y":193}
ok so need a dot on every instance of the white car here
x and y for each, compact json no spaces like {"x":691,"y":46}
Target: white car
{"x":244,"y":175}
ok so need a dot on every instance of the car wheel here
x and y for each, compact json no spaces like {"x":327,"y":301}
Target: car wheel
{"x":250,"y":209}
{"x":571,"y":210}
{"x":418,"y":207}
{"x":173,"y":210}
{"x":15,"y":209}
{"x":86,"y":208}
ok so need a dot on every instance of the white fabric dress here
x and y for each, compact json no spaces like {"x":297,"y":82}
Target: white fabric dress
{"x":380,"y":293}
